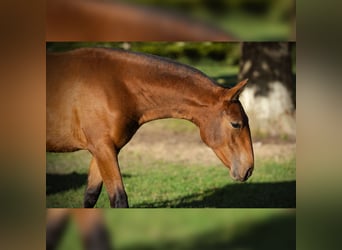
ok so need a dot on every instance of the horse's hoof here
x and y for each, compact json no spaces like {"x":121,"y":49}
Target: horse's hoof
{"x":120,"y":200}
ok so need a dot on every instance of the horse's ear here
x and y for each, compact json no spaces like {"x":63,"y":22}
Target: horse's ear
{"x":234,"y":92}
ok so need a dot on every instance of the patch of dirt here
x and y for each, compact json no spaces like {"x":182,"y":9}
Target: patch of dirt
{"x":157,"y":143}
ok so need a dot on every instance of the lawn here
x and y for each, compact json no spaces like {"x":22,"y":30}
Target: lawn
{"x":167,"y":165}
{"x":168,"y":184}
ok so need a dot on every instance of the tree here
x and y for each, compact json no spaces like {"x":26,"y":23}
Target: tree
{"x":269,"y":98}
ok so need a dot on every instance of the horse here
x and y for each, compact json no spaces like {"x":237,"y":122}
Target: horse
{"x":97,"y":98}
{"x":94,"y":20}
{"x":90,"y":224}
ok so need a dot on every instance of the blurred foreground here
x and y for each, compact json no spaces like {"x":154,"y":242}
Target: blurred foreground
{"x":192,"y":229}
{"x":154,"y":20}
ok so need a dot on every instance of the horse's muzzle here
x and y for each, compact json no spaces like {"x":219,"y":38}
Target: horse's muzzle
{"x":237,"y":177}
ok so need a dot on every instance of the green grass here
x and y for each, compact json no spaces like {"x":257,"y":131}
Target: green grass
{"x":258,"y":229}
{"x":165,"y":184}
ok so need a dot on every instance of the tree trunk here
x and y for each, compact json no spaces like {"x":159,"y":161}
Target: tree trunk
{"x":269,"y":98}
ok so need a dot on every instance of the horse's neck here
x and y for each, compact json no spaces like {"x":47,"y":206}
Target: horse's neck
{"x":176,"y":96}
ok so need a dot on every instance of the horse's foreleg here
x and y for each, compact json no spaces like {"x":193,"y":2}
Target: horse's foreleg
{"x":107,"y":162}
{"x":94,"y":185}
{"x":92,"y":228}
{"x":56,"y":222}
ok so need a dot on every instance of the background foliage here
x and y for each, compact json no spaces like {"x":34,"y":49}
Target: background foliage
{"x":186,"y":51}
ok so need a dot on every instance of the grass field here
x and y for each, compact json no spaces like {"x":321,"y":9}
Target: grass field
{"x":163,"y":184}
{"x":166,"y":165}
{"x":194,"y":229}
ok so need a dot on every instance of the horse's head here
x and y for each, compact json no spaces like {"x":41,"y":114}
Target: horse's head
{"x":226,"y":131}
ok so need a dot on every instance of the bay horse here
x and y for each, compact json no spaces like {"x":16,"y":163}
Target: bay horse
{"x":97,"y":98}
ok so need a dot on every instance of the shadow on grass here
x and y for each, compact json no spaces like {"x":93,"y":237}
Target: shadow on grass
{"x":277,"y":232}
{"x":237,"y":195}
{"x":56,"y":183}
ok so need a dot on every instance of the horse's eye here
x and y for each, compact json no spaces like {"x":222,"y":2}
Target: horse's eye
{"x":235,"y":125}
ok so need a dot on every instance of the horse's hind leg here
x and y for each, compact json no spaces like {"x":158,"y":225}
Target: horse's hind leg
{"x":94,"y":185}
{"x":57,"y":219}
{"x":93,"y":229}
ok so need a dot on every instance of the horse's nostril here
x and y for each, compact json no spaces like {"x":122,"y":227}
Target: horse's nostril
{"x":248,"y":174}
